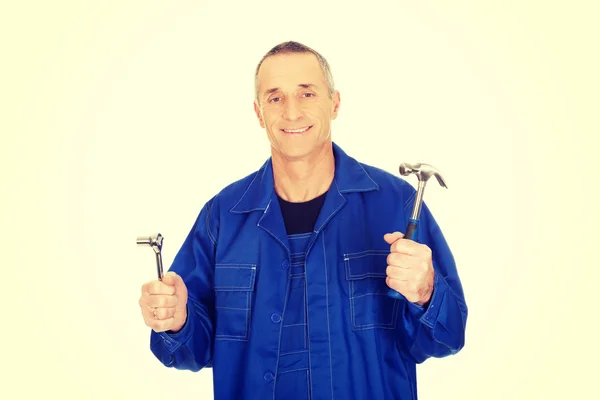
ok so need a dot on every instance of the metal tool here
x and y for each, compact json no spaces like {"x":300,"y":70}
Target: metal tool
{"x":423,"y":173}
{"x":156,"y":242}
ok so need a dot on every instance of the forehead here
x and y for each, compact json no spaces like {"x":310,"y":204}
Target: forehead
{"x":285,"y":70}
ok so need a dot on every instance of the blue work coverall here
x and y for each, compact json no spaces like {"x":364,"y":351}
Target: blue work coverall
{"x":307,"y":316}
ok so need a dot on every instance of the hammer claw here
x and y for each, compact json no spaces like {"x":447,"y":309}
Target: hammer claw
{"x":441,"y":181}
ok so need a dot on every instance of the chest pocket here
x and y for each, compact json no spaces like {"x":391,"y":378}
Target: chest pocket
{"x":370,"y":305}
{"x":234,"y":287}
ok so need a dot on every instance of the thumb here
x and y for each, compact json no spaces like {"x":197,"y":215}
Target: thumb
{"x":392,"y":237}
{"x":172,"y":279}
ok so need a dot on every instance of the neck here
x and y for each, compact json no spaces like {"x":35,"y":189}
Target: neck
{"x":299,"y":180}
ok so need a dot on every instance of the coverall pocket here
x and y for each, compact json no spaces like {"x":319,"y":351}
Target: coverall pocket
{"x":234,"y":287}
{"x":370,"y":305}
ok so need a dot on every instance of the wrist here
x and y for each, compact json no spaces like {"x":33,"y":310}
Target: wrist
{"x":425,"y":298}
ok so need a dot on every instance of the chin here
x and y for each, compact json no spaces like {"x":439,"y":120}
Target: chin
{"x":298,"y":150}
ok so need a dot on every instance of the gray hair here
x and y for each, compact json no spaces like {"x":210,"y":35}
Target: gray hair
{"x":295,"y":47}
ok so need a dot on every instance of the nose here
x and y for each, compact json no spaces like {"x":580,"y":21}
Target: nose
{"x":291,"y":110}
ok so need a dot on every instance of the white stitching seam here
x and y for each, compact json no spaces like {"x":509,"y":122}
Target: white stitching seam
{"x":327,"y":308}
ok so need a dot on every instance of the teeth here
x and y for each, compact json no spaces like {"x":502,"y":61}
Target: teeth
{"x":296,"y":130}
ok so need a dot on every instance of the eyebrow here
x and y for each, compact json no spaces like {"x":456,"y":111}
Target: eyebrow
{"x":302,"y":85}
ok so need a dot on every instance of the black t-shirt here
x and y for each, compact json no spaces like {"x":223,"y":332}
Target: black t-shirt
{"x":301,"y":217}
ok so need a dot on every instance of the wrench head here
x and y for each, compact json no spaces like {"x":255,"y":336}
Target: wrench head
{"x":423,"y":172}
{"x":155,"y":241}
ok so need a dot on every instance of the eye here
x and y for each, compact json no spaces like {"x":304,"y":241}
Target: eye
{"x":273,"y":99}
{"x":309,"y":94}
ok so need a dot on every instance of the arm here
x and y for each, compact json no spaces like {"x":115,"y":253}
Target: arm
{"x":436,"y":329}
{"x":190,"y":347}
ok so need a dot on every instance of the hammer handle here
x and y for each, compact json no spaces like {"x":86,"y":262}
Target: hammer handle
{"x":411,"y":230}
{"x":411,"y":234}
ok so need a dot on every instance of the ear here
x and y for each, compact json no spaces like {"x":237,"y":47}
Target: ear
{"x":259,"y":115}
{"x":336,"y":105}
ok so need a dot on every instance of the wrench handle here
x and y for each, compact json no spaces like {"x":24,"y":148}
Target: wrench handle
{"x":411,"y":234}
{"x":159,"y":266}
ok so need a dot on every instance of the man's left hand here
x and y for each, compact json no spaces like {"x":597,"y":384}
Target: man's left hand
{"x":410,"y":269}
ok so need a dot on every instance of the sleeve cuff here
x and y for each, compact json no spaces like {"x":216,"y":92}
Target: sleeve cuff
{"x":428,"y":315}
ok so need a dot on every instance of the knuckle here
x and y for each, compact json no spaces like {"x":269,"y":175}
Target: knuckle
{"x":145,"y":300}
{"x":428,"y":251}
{"x":149,"y":322}
{"x":150,"y":301}
{"x":391,"y":283}
{"x":152,"y":287}
{"x":388,"y":271}
{"x":390,"y":259}
{"x":158,"y":326}
{"x":165,"y":325}
{"x":167,"y":289}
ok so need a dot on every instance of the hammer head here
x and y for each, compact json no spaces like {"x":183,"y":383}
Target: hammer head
{"x":154,"y":241}
{"x":422,"y":171}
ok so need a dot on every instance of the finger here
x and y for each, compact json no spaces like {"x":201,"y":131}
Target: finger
{"x":400,"y":260}
{"x":396,"y":284}
{"x":158,"y":287}
{"x":164,"y":313}
{"x":406,"y":246}
{"x":159,"y":300}
{"x":160,"y":325}
{"x":392,"y":237}
{"x":147,"y":312}
{"x":404,"y":289}
{"x":152,"y":315}
{"x":401,"y":274}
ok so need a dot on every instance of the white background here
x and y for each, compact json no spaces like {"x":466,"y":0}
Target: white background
{"x":121,"y":118}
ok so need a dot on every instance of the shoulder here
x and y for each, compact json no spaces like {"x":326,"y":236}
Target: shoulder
{"x":218,"y":205}
{"x":230,"y":195}
{"x":387,"y":182}
{"x":234,"y":190}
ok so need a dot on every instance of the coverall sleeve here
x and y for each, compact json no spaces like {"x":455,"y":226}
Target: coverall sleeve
{"x":438,"y":328}
{"x":191,"y":347}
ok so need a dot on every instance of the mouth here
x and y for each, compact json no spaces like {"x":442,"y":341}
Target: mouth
{"x":298,"y":131}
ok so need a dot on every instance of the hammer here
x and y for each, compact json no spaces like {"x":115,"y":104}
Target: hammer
{"x":423,"y":173}
{"x":154,"y":241}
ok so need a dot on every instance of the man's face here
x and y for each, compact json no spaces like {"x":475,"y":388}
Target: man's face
{"x":294,"y":104}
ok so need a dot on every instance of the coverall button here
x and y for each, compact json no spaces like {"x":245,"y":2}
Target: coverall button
{"x":276,"y":318}
{"x":285,"y":263}
{"x":268,"y":377}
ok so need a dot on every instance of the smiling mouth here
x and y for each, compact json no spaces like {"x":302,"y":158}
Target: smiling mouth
{"x":297,"y":131}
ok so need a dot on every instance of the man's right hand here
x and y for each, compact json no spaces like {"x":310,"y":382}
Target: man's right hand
{"x":164,"y":303}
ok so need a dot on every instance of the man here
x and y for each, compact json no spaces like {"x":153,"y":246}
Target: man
{"x":281,"y":286}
